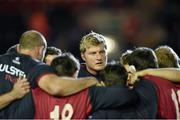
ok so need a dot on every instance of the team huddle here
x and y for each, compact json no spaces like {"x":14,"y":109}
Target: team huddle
{"x":42,"y":82}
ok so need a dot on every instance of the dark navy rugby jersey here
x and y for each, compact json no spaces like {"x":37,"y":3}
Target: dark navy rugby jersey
{"x":145,"y":107}
{"x":12,"y":49}
{"x":13,"y":65}
{"x":84,"y":73}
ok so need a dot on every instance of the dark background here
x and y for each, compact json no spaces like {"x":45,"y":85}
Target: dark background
{"x":130,"y":23}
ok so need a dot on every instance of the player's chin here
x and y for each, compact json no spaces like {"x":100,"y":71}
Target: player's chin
{"x":99,"y":67}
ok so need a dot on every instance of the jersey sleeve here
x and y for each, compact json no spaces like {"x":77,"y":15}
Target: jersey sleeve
{"x":37,"y":72}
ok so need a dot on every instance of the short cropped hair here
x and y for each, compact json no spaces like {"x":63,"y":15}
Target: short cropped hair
{"x":124,"y":59}
{"x":31,"y":39}
{"x":52,"y":51}
{"x":114,"y":74}
{"x":91,"y":39}
{"x":143,"y":58}
{"x":65,"y":65}
{"x":167,"y":57}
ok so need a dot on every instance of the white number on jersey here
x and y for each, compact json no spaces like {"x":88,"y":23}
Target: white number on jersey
{"x":176,"y":101}
{"x":66,"y":114}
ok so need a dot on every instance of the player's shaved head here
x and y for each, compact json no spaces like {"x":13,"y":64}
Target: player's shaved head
{"x":31,"y":39}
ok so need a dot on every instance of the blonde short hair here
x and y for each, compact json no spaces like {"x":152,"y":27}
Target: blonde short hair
{"x":91,"y":39}
{"x":166,"y":57}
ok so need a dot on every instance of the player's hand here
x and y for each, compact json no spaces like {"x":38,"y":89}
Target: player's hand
{"x":20,"y":88}
{"x":101,"y":83}
{"x":131,"y":69}
{"x":132,"y":78}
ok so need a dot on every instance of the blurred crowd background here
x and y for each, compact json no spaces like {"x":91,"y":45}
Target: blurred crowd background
{"x":125,"y":23}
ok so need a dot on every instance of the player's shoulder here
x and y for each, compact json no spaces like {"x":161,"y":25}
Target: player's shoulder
{"x":83,"y":71}
{"x":6,"y":56}
{"x":12,"y":49}
{"x":83,"y":66}
{"x":19,"y":59}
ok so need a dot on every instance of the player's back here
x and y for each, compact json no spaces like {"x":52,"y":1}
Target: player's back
{"x":144,"y":108}
{"x":13,"y":65}
{"x":48,"y":107}
{"x":168,"y":97}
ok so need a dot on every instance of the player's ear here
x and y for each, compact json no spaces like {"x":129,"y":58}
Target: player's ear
{"x":36,"y":50}
{"x":83,"y":57}
{"x":41,"y":48}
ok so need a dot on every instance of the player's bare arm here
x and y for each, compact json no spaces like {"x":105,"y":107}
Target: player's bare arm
{"x":64,"y":86}
{"x":20,"y":89}
{"x":172,"y":74}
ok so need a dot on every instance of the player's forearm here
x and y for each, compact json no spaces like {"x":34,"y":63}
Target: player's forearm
{"x":172,"y":74}
{"x":6,"y":99}
{"x":63,"y":86}
{"x":74,"y":86}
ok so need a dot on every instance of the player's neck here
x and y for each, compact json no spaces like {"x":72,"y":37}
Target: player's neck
{"x":91,"y":71}
{"x":28,"y":52}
